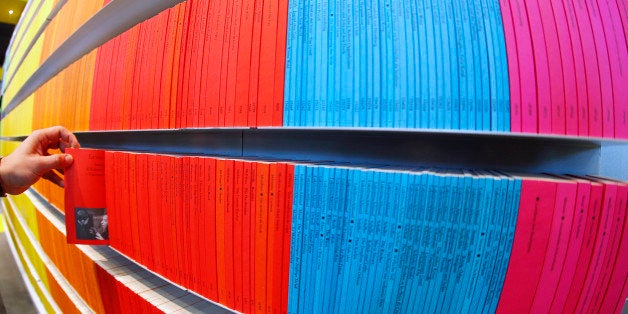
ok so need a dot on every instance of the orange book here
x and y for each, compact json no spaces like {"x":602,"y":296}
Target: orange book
{"x":221,"y":166}
{"x":261,"y":234}
{"x":85,"y":198}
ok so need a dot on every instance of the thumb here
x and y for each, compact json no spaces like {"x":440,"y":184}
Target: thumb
{"x":56,"y":161}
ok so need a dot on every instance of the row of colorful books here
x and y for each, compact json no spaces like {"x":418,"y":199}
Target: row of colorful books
{"x":303,"y":237}
{"x":86,"y":279}
{"x":410,"y":65}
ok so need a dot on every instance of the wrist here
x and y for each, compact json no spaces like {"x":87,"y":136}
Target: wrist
{"x":3,"y":191}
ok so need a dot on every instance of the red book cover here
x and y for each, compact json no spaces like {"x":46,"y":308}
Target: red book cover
{"x":143,"y":212}
{"x":566,"y":192}
{"x":229,"y":202}
{"x":280,"y":63}
{"x":232,"y":42}
{"x":183,"y":90}
{"x":255,"y":64}
{"x":196,"y":223}
{"x":612,"y":252}
{"x":588,"y":245}
{"x":155,"y":194}
{"x":238,"y":269}
{"x":221,"y":229}
{"x":247,"y":275}
{"x":211,"y":64}
{"x":556,"y":82}
{"x":530,"y":245}
{"x":527,"y":79}
{"x":209,"y":192}
{"x":580,"y":75}
{"x":173,"y":94}
{"x":581,"y":211}
{"x":244,"y":65}
{"x":287,"y":234}
{"x":591,"y":67}
{"x":602,"y":240}
{"x":261,"y":236}
{"x":620,"y":271}
{"x":127,"y":76}
{"x":85,"y":198}
{"x":267,"y":64}
{"x":271,"y":238}
{"x":278,"y":231}
{"x":226,"y":11}
{"x":541,"y":68}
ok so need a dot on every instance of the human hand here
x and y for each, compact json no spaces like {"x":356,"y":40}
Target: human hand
{"x":31,"y":159}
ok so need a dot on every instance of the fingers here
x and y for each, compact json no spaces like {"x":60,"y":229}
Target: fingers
{"x":44,"y":164}
{"x":56,"y":137}
{"x":53,"y":177}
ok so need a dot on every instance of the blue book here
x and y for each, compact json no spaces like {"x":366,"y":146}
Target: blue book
{"x":443,"y":76}
{"x":405,"y":300}
{"x":291,"y":64}
{"x":424,"y":63}
{"x":503,"y":86}
{"x":400,"y":64}
{"x":432,"y":62}
{"x":375,"y":48}
{"x":389,"y":55}
{"x":323,"y":69}
{"x":361,"y":93}
{"x":408,"y":66}
{"x":453,"y":100}
{"x":309,"y":74}
{"x":321,"y":216}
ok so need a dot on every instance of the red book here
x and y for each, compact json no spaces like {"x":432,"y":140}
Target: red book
{"x":115,"y":238}
{"x":576,"y":237}
{"x":174,"y":96}
{"x":244,"y":64}
{"x":613,"y":250}
{"x":529,"y":246}
{"x":183,"y":90}
{"x":161,"y":37}
{"x":279,"y":241}
{"x":280,"y":63}
{"x":194,"y":224}
{"x":231,"y":43}
{"x":566,"y":192}
{"x":228,"y":258}
{"x":209,"y":192}
{"x":255,"y":64}
{"x":602,"y":241}
{"x":155,"y":213}
{"x":226,"y":12}
{"x":199,"y":50}
{"x":85,"y":198}
{"x":287,"y":230}
{"x":588,"y":245}
{"x":129,"y":54}
{"x":247,"y":208}
{"x":184,"y":231}
{"x":271,"y":239}
{"x":261,"y":234}
{"x":238,"y":208}
{"x":267,"y":63}
{"x":221,"y":229}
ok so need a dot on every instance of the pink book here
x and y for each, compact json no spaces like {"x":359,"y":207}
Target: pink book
{"x":513,"y":67}
{"x":619,"y":62}
{"x":588,"y":244}
{"x":566,"y":192}
{"x":569,"y":74}
{"x":541,"y":68}
{"x":530,"y":244}
{"x":580,"y":74}
{"x":617,"y":281}
{"x":557,"y":88}
{"x":526,"y":67}
{"x":581,"y":211}
{"x":612,"y":250}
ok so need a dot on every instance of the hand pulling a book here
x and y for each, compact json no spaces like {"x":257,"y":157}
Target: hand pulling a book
{"x":31,"y":160}
{"x":86,"y":220}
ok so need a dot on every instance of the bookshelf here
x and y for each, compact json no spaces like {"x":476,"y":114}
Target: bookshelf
{"x":67,"y":61}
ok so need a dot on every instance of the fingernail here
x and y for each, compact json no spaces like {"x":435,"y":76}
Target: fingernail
{"x":68,"y":159}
